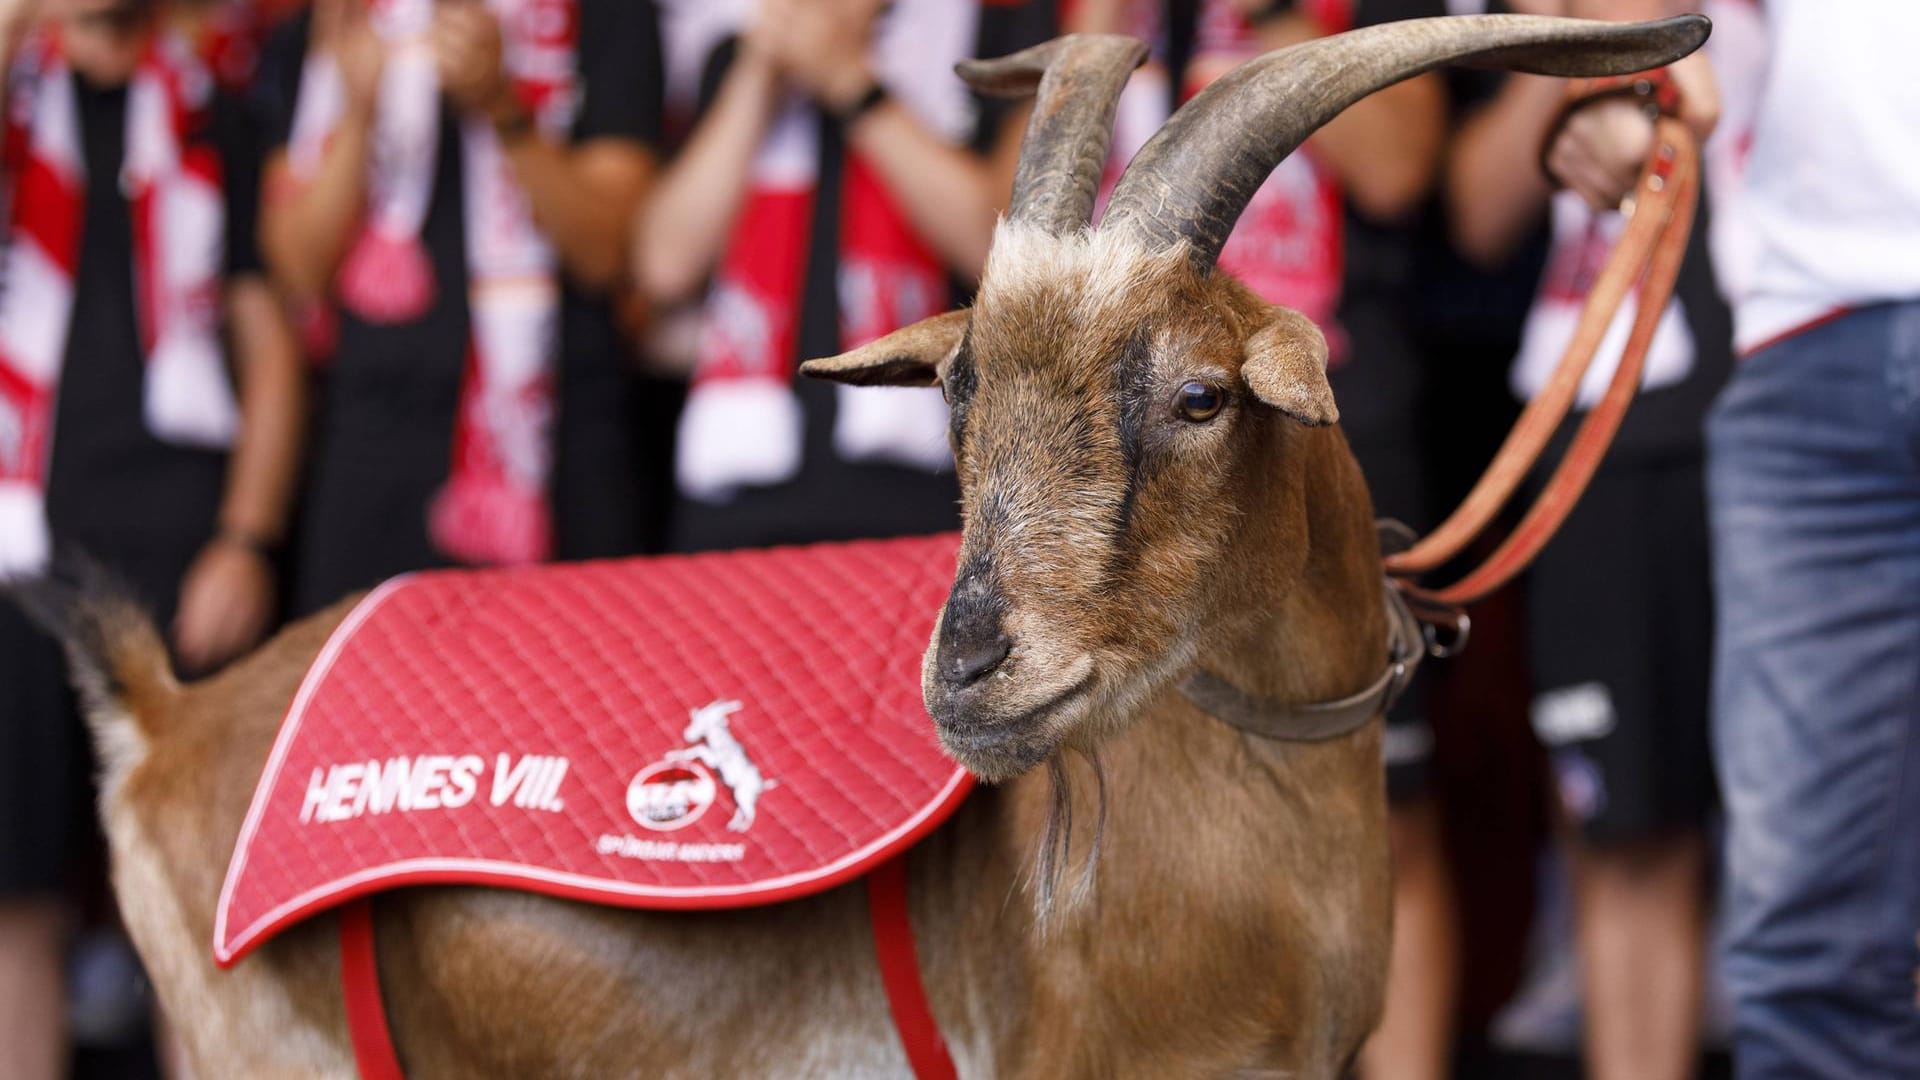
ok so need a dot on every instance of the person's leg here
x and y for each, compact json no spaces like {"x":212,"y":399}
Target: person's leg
{"x":1415,"y":1038}
{"x":42,"y":773}
{"x":1814,"y":476}
{"x":1641,"y":935}
{"x":32,"y":1008}
{"x":1621,"y":620}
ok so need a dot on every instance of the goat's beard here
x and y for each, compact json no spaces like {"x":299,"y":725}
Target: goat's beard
{"x":1056,"y":839}
{"x":1056,"y":843}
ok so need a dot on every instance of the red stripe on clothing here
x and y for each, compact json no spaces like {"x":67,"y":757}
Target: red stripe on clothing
{"x":1819,"y":320}
{"x":54,"y":223}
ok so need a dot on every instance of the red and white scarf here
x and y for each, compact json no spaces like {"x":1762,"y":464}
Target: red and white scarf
{"x":179,"y":229}
{"x":493,"y":508}
{"x":1582,"y":238}
{"x":742,"y":424}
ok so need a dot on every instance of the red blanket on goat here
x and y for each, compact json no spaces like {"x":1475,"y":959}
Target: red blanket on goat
{"x":690,"y":732}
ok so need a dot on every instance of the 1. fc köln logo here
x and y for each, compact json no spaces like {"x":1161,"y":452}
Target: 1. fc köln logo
{"x":677,"y":790}
{"x":668,"y":795}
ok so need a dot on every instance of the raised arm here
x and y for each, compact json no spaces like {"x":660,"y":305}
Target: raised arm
{"x":16,"y":19}
{"x":1385,"y":149}
{"x":1495,"y":189}
{"x":680,"y":236}
{"x":307,"y":223}
{"x":947,"y":193}
{"x":584,"y":196}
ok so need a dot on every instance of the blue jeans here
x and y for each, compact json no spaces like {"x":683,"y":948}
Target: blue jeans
{"x":1814,"y":490}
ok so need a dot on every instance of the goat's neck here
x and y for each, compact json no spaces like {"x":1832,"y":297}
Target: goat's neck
{"x":1206,"y":828}
{"x":1319,"y":633}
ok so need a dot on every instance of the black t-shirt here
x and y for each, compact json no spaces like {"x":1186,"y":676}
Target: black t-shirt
{"x":831,"y":498}
{"x":1380,"y":385}
{"x":384,"y":425}
{"x":142,"y":505}
{"x":138,"y":505}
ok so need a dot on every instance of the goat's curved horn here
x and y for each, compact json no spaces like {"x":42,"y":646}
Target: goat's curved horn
{"x":1078,"y":78}
{"x":1192,"y":180}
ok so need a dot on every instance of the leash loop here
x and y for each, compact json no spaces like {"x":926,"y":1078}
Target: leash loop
{"x":1446,"y":630}
{"x":1646,"y":263}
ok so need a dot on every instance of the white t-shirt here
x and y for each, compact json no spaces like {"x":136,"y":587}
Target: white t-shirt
{"x":1833,"y":184}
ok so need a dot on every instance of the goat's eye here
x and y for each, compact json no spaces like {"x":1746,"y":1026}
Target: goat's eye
{"x":1199,"y":402}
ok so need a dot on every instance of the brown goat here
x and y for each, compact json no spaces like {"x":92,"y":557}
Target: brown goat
{"x":1153,"y":486}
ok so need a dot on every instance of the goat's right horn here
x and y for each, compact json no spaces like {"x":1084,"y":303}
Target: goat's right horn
{"x":1078,"y":78}
{"x":1192,"y":180}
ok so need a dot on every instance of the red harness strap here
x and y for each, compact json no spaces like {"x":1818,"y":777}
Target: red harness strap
{"x":373,"y":1051}
{"x":900,"y":973}
{"x":372,"y":1040}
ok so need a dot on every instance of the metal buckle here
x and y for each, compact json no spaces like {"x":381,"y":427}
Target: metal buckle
{"x":1459,"y":627}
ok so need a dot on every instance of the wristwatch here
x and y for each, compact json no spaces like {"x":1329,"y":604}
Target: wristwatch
{"x":1268,"y":10}
{"x":514,"y":124}
{"x":260,"y":547}
{"x":847,"y":115}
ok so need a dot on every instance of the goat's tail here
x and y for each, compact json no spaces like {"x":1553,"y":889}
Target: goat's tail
{"x":115,"y":655}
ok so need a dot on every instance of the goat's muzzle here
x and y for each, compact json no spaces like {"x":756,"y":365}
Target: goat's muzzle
{"x":1000,"y":706}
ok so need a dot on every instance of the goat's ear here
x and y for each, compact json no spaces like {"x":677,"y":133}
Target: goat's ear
{"x":1286,"y":367}
{"x":910,"y":356}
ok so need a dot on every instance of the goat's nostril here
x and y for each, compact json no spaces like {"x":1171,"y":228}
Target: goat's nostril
{"x":972,"y":661}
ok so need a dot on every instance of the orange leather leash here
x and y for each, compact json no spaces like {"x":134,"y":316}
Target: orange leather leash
{"x":1645,"y":261}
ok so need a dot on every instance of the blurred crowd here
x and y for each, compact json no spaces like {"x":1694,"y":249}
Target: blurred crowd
{"x":300,"y":296}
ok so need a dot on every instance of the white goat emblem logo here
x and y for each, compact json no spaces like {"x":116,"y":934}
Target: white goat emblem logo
{"x":711,"y":743}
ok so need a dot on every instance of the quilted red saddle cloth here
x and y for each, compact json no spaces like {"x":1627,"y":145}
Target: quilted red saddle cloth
{"x":687,"y":732}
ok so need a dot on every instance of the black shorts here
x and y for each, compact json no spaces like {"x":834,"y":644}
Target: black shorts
{"x":1407,"y":744}
{"x":1620,"y":632}
{"x":46,"y":829}
{"x":50,"y":836}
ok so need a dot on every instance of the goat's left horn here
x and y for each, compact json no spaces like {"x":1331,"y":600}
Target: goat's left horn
{"x":1078,"y":78}
{"x":1192,"y":180}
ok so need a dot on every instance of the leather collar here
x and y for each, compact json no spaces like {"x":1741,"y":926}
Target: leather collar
{"x":1293,"y":721}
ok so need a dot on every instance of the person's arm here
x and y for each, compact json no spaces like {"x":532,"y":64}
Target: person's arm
{"x":1385,"y":149}
{"x":307,"y":223}
{"x":1495,"y":191}
{"x":683,"y":231}
{"x":949,"y":195}
{"x":584,"y":197}
{"x":1693,"y":75}
{"x":16,"y":19}
{"x":227,"y":598}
